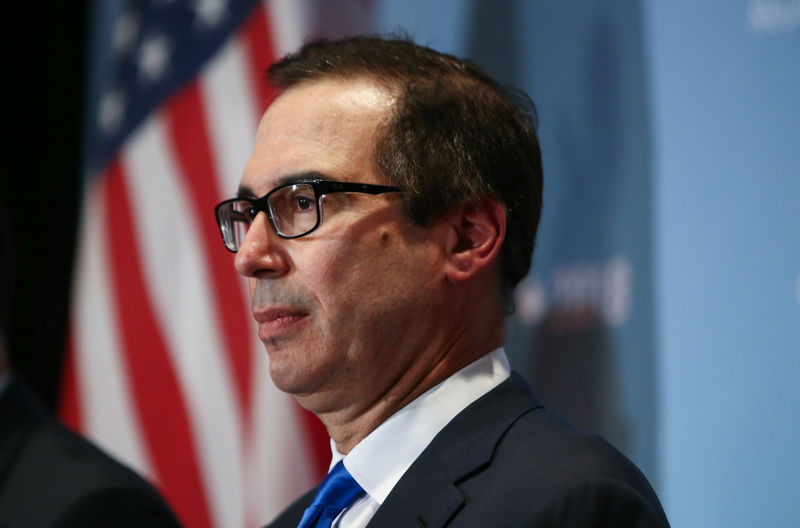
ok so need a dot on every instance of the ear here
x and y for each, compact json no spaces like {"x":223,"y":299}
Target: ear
{"x":476,"y":233}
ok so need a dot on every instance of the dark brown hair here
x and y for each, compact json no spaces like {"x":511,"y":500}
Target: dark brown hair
{"x":454,"y":136}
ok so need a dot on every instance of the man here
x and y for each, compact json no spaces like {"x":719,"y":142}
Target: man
{"x":388,"y":210}
{"x":50,"y":477}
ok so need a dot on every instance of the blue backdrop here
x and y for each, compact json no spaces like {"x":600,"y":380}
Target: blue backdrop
{"x":725,"y":101}
{"x":664,"y":305}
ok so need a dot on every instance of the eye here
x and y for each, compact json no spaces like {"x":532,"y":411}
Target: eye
{"x":242,"y":211}
{"x":302,"y":202}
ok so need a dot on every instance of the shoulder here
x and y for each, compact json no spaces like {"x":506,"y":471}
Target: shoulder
{"x":80,"y":484}
{"x":120,"y":506}
{"x":546,"y":442}
{"x":67,"y":458}
{"x":542,"y":443}
{"x":555,"y":474}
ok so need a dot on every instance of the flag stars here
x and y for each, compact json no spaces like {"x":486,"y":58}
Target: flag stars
{"x":126,"y":29}
{"x":209,"y":13}
{"x":153,"y":57}
{"x":111,"y":111}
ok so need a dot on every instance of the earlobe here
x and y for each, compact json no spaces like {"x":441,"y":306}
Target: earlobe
{"x":477,"y":232}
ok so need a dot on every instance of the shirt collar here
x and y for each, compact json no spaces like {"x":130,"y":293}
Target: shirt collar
{"x":383,"y":456}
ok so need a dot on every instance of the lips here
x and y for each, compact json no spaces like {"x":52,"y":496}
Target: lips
{"x":277,"y":321}
{"x":267,"y":315}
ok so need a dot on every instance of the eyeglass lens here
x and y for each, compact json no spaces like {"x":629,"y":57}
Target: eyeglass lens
{"x":293,"y":210}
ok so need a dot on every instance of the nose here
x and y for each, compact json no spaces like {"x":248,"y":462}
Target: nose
{"x":261,"y":253}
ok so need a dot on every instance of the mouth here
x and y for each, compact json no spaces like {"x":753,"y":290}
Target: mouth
{"x":277,"y":321}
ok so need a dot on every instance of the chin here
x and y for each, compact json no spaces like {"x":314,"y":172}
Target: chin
{"x":284,"y":380}
{"x":288,"y":378}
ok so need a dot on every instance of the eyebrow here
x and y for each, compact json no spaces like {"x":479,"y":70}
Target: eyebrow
{"x":245,"y":191}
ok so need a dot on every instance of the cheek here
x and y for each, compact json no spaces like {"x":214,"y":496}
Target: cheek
{"x":386,"y":273}
{"x":353,"y":277}
{"x":329,"y":276}
{"x":343,"y":279}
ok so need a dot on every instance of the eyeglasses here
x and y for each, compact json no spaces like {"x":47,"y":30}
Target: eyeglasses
{"x":293,"y":209}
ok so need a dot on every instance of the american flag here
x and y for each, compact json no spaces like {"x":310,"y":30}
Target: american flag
{"x":164,"y":369}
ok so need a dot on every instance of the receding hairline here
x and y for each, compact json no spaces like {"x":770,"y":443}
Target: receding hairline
{"x":382,"y":106}
{"x":392,"y":62}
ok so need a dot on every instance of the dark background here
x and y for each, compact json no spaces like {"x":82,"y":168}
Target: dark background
{"x":44,"y":70}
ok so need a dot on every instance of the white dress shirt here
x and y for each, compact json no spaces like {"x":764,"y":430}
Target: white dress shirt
{"x":381,"y":458}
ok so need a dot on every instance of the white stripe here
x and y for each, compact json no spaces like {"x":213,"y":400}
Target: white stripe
{"x":178,"y":282}
{"x":290,"y":23}
{"x":275,"y":458}
{"x":232,"y":121}
{"x":280,"y":468}
{"x":232,"y":114}
{"x":106,"y":401}
{"x":277,"y":464}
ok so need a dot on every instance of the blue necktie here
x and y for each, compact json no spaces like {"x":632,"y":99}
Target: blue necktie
{"x":337,"y":492}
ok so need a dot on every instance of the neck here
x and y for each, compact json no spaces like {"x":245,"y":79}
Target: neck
{"x":466,"y":339}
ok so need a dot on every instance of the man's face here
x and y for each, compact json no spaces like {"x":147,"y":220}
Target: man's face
{"x":344,"y":311}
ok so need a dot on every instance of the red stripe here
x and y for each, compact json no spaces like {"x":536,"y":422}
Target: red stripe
{"x":188,"y":135}
{"x":317,"y":442}
{"x":69,"y":409}
{"x":157,"y":398}
{"x":257,"y":39}
{"x":260,"y":52}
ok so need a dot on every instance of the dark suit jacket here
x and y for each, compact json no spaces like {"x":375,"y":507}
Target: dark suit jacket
{"x":52,"y":477}
{"x":506,"y":461}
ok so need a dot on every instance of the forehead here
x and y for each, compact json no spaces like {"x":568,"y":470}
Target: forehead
{"x":324,"y":126}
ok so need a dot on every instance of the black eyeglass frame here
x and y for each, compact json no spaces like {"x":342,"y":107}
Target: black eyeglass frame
{"x":320,"y":188}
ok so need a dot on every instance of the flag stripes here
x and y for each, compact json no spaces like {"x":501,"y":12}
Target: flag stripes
{"x":260,"y":53}
{"x":164,"y":368}
{"x":180,"y":284}
{"x":69,"y":395}
{"x":159,"y":405}
{"x":188,"y":134}
{"x":228,"y":77}
{"x":106,"y":411}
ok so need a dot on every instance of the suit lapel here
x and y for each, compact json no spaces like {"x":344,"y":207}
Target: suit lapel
{"x":428,"y":494}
